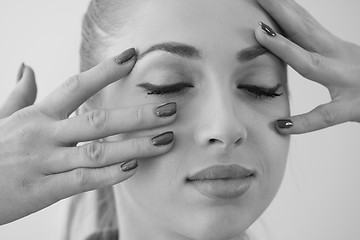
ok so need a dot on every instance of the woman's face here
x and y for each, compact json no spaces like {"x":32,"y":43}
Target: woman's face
{"x":211,"y":54}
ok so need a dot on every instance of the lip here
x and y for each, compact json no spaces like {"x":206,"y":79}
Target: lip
{"x":221,"y":181}
{"x":222,"y":172}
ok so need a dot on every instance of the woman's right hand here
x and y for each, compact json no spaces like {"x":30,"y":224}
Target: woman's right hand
{"x":40,"y":163}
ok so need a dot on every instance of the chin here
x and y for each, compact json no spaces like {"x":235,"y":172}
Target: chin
{"x":219,"y":224}
{"x":216,"y":232}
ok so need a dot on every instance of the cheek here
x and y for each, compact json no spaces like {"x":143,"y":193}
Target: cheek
{"x":271,"y":151}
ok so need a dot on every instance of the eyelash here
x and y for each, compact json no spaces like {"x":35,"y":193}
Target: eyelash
{"x":177,"y":88}
{"x":262,"y":92}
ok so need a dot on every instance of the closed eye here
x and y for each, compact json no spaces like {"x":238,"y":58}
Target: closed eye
{"x":262,"y":92}
{"x":176,"y":88}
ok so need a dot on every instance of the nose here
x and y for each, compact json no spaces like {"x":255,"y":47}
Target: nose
{"x":221,"y":125}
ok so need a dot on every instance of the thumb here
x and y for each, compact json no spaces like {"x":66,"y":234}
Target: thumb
{"x":321,"y":117}
{"x":24,"y":93}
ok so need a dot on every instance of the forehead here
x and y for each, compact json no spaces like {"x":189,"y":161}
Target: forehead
{"x":205,"y":24}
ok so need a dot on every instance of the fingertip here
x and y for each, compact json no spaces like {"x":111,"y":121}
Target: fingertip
{"x":264,"y":33}
{"x":129,"y":165}
{"x":284,"y":126}
{"x":127,"y":59}
{"x":128,"y":56}
{"x":20,"y":72}
{"x":27,"y":85}
{"x":125,"y":171}
{"x":27,"y":74}
{"x":259,"y":35}
{"x":116,"y":67}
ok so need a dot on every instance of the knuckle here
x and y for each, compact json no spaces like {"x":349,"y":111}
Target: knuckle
{"x":26,"y":185}
{"x":72,"y":85}
{"x":23,"y":114}
{"x":137,"y":145}
{"x":328,"y":115}
{"x":94,"y":152}
{"x":305,"y":121}
{"x":82,"y":178}
{"x":28,"y":133}
{"x":143,"y":147}
{"x":315,"y":62}
{"x":97,"y":119}
{"x":306,"y":71}
{"x":316,"y":59}
{"x":140,"y":115}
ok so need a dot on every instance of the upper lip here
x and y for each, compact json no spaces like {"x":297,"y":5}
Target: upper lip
{"x":216,"y":172}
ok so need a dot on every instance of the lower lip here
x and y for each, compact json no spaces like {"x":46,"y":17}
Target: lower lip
{"x":222,"y":188}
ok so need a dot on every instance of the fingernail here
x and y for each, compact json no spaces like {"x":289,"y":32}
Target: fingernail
{"x":284,"y":123}
{"x":163,"y":139}
{"x":129,"y":165}
{"x":20,"y":72}
{"x":267,"y":29}
{"x":126,"y":56}
{"x":166,"y":110}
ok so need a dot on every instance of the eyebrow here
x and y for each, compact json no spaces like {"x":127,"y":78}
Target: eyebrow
{"x":251,"y":53}
{"x":187,"y":51}
{"x":178,"y":49}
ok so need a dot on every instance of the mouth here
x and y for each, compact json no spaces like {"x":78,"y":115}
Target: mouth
{"x":221,"y":181}
{"x":222,"y":173}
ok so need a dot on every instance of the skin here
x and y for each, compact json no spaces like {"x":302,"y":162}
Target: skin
{"x":157,"y":203}
{"x":320,"y":56}
{"x":41,"y":161}
{"x":39,"y":157}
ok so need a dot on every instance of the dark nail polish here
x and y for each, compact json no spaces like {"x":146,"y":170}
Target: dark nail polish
{"x":20,"y":72}
{"x":163,"y":139}
{"x":284,"y":123}
{"x":166,"y":110}
{"x":126,"y":56}
{"x":130,"y":165}
{"x":267,"y":29}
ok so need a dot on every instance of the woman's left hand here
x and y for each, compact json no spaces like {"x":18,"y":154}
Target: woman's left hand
{"x":319,"y":56}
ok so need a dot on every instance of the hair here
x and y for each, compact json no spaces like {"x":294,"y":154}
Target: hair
{"x":100,"y":29}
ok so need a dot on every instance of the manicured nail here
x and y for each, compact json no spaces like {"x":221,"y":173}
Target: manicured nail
{"x":267,"y":29}
{"x":163,"y":139}
{"x":126,"y":56}
{"x":129,"y":165}
{"x":166,"y":110}
{"x":20,"y":72}
{"x":284,"y":123}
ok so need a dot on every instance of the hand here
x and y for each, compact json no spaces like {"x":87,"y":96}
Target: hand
{"x":40,"y":163}
{"x":319,"y":56}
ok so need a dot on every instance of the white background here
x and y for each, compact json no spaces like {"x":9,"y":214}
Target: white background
{"x":320,"y":195}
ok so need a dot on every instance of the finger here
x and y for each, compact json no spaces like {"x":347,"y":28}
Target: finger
{"x":80,"y":180}
{"x":105,"y":122}
{"x":298,"y":24}
{"x":24,"y":93}
{"x":309,"y":64}
{"x":96,"y":154}
{"x":321,"y":117}
{"x":71,"y":94}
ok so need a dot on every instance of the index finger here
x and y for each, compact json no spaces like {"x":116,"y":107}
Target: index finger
{"x":66,"y":98}
{"x":298,"y":24}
